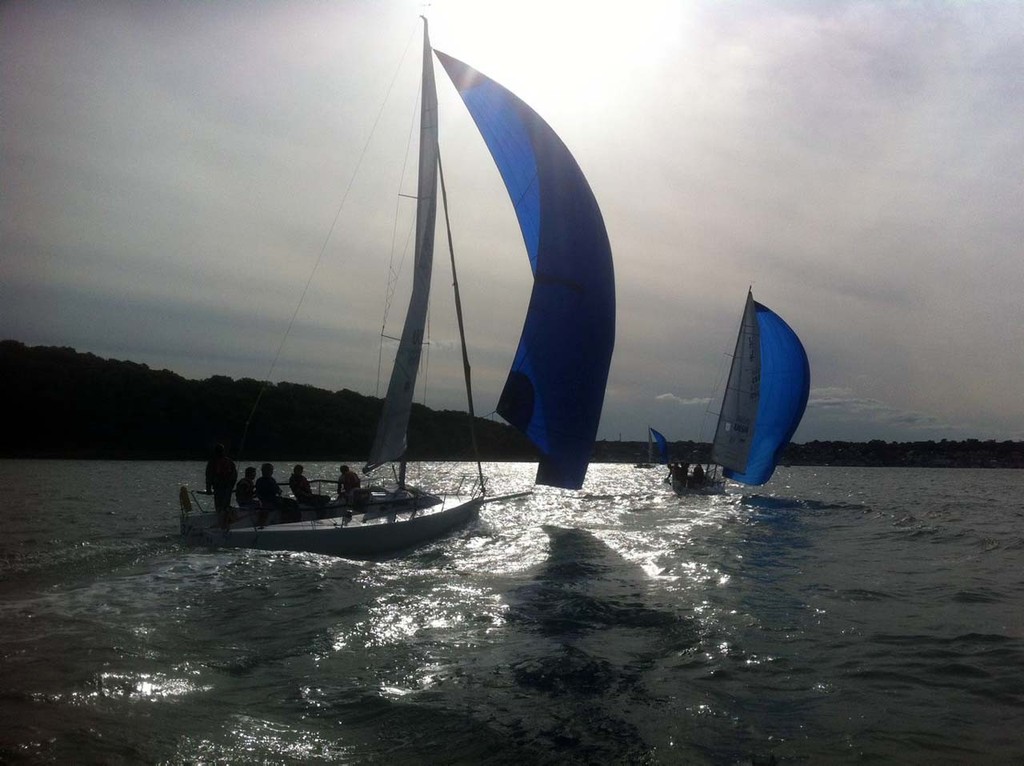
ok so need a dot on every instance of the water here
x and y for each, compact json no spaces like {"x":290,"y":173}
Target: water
{"x":836,"y":615}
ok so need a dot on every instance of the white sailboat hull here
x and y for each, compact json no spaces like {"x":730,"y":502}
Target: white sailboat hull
{"x":366,"y":535}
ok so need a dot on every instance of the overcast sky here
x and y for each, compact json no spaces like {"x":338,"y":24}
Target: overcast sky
{"x":213,"y":188}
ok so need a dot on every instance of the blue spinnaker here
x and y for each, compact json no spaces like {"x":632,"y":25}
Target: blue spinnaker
{"x":555,"y":389}
{"x":785,"y":384}
{"x":662,"y":445}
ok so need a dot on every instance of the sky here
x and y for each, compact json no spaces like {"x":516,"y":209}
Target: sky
{"x":216,"y":189}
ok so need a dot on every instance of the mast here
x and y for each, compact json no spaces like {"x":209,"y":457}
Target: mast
{"x":390,"y":441}
{"x":462,"y":332}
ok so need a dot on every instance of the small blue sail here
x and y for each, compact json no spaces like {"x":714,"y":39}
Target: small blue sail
{"x":662,"y":445}
{"x":784,"y":386}
{"x":555,"y":389}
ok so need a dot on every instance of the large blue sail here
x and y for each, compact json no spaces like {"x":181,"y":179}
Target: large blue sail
{"x":555,"y":389}
{"x":785,"y":381}
{"x":662,"y":445}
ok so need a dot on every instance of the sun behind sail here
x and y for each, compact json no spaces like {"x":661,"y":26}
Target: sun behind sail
{"x":555,"y":389}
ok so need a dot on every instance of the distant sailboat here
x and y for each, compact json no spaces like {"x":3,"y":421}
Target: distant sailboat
{"x":764,"y":401}
{"x":654,"y":437}
{"x":555,"y":390}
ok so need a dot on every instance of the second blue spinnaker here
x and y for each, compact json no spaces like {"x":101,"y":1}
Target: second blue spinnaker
{"x":765,"y":397}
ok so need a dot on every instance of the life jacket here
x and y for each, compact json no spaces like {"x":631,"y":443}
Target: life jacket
{"x":224,"y":473}
{"x":245,"y":490}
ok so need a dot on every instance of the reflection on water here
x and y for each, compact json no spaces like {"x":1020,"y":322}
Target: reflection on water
{"x":835,"y":615}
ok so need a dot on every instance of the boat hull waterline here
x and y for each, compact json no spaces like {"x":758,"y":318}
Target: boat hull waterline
{"x":362,"y":535}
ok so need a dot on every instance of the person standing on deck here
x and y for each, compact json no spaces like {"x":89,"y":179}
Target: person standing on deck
{"x":221,"y":475}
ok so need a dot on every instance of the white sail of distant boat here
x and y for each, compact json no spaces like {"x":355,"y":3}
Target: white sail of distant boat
{"x":763,"y":403}
{"x":555,"y":390}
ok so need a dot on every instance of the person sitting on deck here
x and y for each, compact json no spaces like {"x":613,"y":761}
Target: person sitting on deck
{"x":245,"y":490}
{"x":348,"y":485}
{"x":303,"y":492}
{"x":697,"y":479}
{"x":678,"y":472}
{"x":268,"y":492}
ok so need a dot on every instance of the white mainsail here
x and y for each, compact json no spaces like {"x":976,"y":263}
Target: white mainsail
{"x":737,"y":419}
{"x":390,"y":441}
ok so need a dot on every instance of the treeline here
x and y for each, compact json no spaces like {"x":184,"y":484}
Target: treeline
{"x":969,"y":453}
{"x":66,"y":404}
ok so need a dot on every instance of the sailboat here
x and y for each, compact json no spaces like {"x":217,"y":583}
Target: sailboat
{"x":654,"y":437}
{"x":764,"y":401}
{"x":555,"y":389}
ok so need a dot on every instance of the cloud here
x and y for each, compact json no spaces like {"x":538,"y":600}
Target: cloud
{"x":841,"y":402}
{"x":693,"y":400}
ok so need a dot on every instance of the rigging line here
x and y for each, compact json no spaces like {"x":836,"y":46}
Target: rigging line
{"x":720,"y":385}
{"x":462,"y":327}
{"x":323,"y":247}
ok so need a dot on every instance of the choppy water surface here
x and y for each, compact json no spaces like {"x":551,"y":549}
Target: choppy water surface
{"x":832,"y":616}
